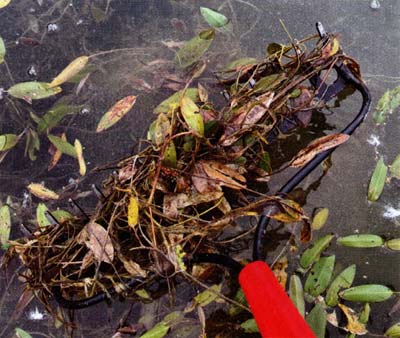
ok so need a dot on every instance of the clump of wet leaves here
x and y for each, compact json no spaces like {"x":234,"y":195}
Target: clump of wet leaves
{"x":192,"y":180}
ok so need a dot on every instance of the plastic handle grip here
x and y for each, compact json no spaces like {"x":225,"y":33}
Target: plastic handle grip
{"x":274,"y":312}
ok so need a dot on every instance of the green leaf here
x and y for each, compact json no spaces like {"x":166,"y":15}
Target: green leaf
{"x":63,"y":146}
{"x":364,"y":315}
{"x":61,"y":215}
{"x":157,"y":331}
{"x":312,"y":254}
{"x":159,"y":129}
{"x":320,"y":276}
{"x":41,"y":215}
{"x":296,"y":293}
{"x":368,"y":293}
{"x":5,"y":226}
{"x":342,"y":280}
{"x":191,"y":115}
{"x":55,"y":114}
{"x":246,"y":61}
{"x":320,"y":219}
{"x":393,"y":331}
{"x":239,"y":298}
{"x":193,"y":50}
{"x":32,"y":144}
{"x":316,"y":319}
{"x":213,"y":18}
{"x":22,"y":333}
{"x":175,"y":99}
{"x":208,"y":296}
{"x":250,"y":326}
{"x":361,"y":241}
{"x":265,"y":162}
{"x":2,"y":50}
{"x":395,"y":167}
{"x":393,"y":244}
{"x":7,"y":141}
{"x":33,"y":90}
{"x":268,"y":82}
{"x":169,"y":158}
{"x":377,"y":181}
{"x":386,"y":105}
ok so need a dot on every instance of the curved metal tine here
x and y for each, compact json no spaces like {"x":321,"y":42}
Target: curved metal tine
{"x":77,"y":209}
{"x":98,"y":193}
{"x":320,"y":29}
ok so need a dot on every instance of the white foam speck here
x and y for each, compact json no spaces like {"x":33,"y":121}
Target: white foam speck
{"x":391,"y":212}
{"x":36,"y":315}
{"x":374,"y":140}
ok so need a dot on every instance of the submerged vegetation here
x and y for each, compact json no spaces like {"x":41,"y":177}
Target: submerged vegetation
{"x":193,"y":179}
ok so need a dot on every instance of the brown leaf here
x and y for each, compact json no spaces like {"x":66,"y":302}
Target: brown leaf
{"x":56,"y":153}
{"x":318,"y":146}
{"x":98,"y":241}
{"x":201,"y":182}
{"x":174,"y":202}
{"x":223,"y":175}
{"x":279,"y":270}
{"x":305,"y":232}
{"x":40,"y":191}
{"x":23,"y":301}
{"x":133,"y":268}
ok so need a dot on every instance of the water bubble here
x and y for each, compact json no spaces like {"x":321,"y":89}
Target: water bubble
{"x":375,"y":4}
{"x":52,"y":27}
{"x":32,"y":71}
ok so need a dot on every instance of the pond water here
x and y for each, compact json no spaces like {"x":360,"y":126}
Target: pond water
{"x":145,"y":31}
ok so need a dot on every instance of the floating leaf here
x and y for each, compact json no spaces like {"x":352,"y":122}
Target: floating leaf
{"x":41,"y":215}
{"x":42,"y":192}
{"x":292,"y":212}
{"x":2,"y":50}
{"x":133,"y":212}
{"x":79,"y":154}
{"x":55,"y":114}
{"x":386,"y":105}
{"x":169,"y":159}
{"x":33,"y":90}
{"x":316,"y":319}
{"x":353,"y":324}
{"x":343,"y":280}
{"x":377,"y":181}
{"x":63,"y":146}
{"x":320,"y":276}
{"x":318,"y":146}
{"x":361,"y":241}
{"x":204,"y":298}
{"x":364,"y":315}
{"x":250,"y":326}
{"x":157,"y":331}
{"x":368,"y":293}
{"x":312,"y":254}
{"x":393,"y":331}
{"x":4,"y":3}
{"x":239,"y":64}
{"x":115,"y":113}
{"x":320,"y":219}
{"x":71,"y":70}
{"x":32,"y":144}
{"x":175,"y":99}
{"x":213,"y":18}
{"x":190,"y":113}
{"x":7,"y":141}
{"x":5,"y":226}
{"x":142,"y":293}
{"x":98,"y":241}
{"x":296,"y":293}
{"x":393,"y":244}
{"x":19,"y":332}
{"x":194,"y":49}
{"x":395,"y":167}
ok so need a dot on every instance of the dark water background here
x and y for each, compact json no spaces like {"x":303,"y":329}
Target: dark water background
{"x":370,"y":36}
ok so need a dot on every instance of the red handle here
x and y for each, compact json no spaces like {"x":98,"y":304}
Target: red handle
{"x":274,"y":312}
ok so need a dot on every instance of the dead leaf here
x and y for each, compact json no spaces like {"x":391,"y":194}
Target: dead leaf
{"x":133,"y":212}
{"x":133,"y":268}
{"x":174,"y":202}
{"x":40,"y":191}
{"x":353,"y":325}
{"x":279,"y":270}
{"x":115,"y":113}
{"x":98,"y":241}
{"x":56,"y":153}
{"x":79,"y":154}
{"x":223,"y":174}
{"x":318,"y":146}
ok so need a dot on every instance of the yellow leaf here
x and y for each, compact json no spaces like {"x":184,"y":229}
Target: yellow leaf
{"x":191,"y":115}
{"x":42,"y":192}
{"x":353,"y":324}
{"x":79,"y":154}
{"x":115,"y":113}
{"x":4,"y":3}
{"x":71,"y":70}
{"x":335,"y":46}
{"x":133,"y":212}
